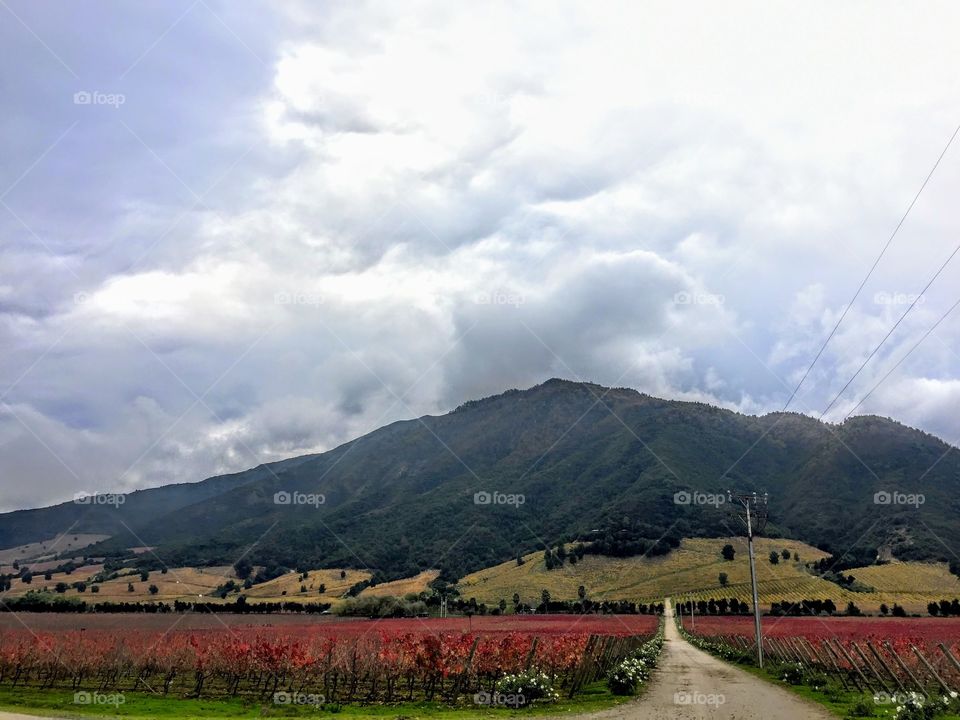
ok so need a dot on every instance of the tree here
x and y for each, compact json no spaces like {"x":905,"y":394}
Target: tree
{"x":61,"y":587}
{"x":728,"y":552}
{"x":323,"y":588}
{"x":520,"y":560}
{"x":723,"y":579}
{"x":27,"y":577}
{"x":548,"y":558}
{"x":884,"y":609}
{"x":545,"y":597}
{"x":898,"y":611}
{"x":785,"y":554}
{"x":516,"y":599}
{"x":48,"y":575}
{"x":144,"y":575}
{"x":582,"y":592}
{"x":243,"y":568}
{"x":153,"y":589}
{"x":94,"y":588}
{"x":343,"y":574}
{"x":774,"y":557}
{"x":129,"y":587}
{"x":933,"y":609}
{"x":80,"y":586}
{"x":502,"y":605}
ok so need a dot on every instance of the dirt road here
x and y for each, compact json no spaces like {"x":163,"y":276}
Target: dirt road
{"x":689,"y":684}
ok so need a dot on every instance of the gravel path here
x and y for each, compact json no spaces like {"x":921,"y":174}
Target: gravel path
{"x":690,"y":684}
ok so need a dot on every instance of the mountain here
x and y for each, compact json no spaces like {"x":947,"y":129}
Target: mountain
{"x":588,"y":462}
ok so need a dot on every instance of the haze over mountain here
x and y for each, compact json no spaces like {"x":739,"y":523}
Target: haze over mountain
{"x":589,"y":462}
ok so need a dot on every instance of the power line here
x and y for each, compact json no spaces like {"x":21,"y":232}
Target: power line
{"x":890,"y":332}
{"x":872,"y":268}
{"x":900,"y":361}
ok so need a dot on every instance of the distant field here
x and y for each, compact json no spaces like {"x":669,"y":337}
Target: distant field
{"x":287,"y":587}
{"x":914,"y":578}
{"x":692,"y":572}
{"x":399,"y":588}
{"x":693,"y":567}
{"x":48,"y":548}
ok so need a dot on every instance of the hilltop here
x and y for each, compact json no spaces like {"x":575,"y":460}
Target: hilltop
{"x":562,"y":461}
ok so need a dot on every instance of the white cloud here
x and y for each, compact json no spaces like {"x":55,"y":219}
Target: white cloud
{"x":439,"y":203}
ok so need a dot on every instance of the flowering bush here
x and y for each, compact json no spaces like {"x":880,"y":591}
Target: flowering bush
{"x":627,"y":677}
{"x":529,"y":686}
{"x":793,"y":673}
{"x":916,"y":707}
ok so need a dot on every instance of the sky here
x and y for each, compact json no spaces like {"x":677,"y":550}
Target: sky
{"x":233,"y":233}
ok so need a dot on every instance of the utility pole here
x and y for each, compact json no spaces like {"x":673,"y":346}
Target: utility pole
{"x":755,"y":511}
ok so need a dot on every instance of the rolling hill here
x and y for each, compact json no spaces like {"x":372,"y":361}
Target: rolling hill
{"x":559,"y":462}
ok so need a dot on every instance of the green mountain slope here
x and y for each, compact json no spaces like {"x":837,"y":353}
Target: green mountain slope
{"x":590,"y":462}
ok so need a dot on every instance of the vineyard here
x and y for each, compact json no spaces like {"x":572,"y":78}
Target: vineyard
{"x":362,"y":661}
{"x":889,"y":657}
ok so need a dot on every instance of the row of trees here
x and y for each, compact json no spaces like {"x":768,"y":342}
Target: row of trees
{"x":722,"y":606}
{"x":42,"y":602}
{"x":944,"y":608}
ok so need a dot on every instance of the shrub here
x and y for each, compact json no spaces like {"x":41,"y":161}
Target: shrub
{"x":627,"y":677}
{"x":531,"y":686}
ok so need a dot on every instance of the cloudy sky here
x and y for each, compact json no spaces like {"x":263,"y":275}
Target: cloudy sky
{"x":232,"y":233}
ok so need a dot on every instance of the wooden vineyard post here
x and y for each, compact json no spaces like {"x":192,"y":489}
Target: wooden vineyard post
{"x":803,"y":652}
{"x":835,"y":657}
{"x":799,"y":654}
{"x":946,"y":688}
{"x":886,"y":667}
{"x":465,"y":674}
{"x":533,"y":651}
{"x":950,"y":657}
{"x":790,"y":653}
{"x":905,"y":669}
{"x":873,"y":670}
{"x":585,"y":662}
{"x":832,"y":663}
{"x":854,"y":665}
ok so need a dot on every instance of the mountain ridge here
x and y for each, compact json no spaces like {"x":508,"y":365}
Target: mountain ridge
{"x":400,"y":498}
